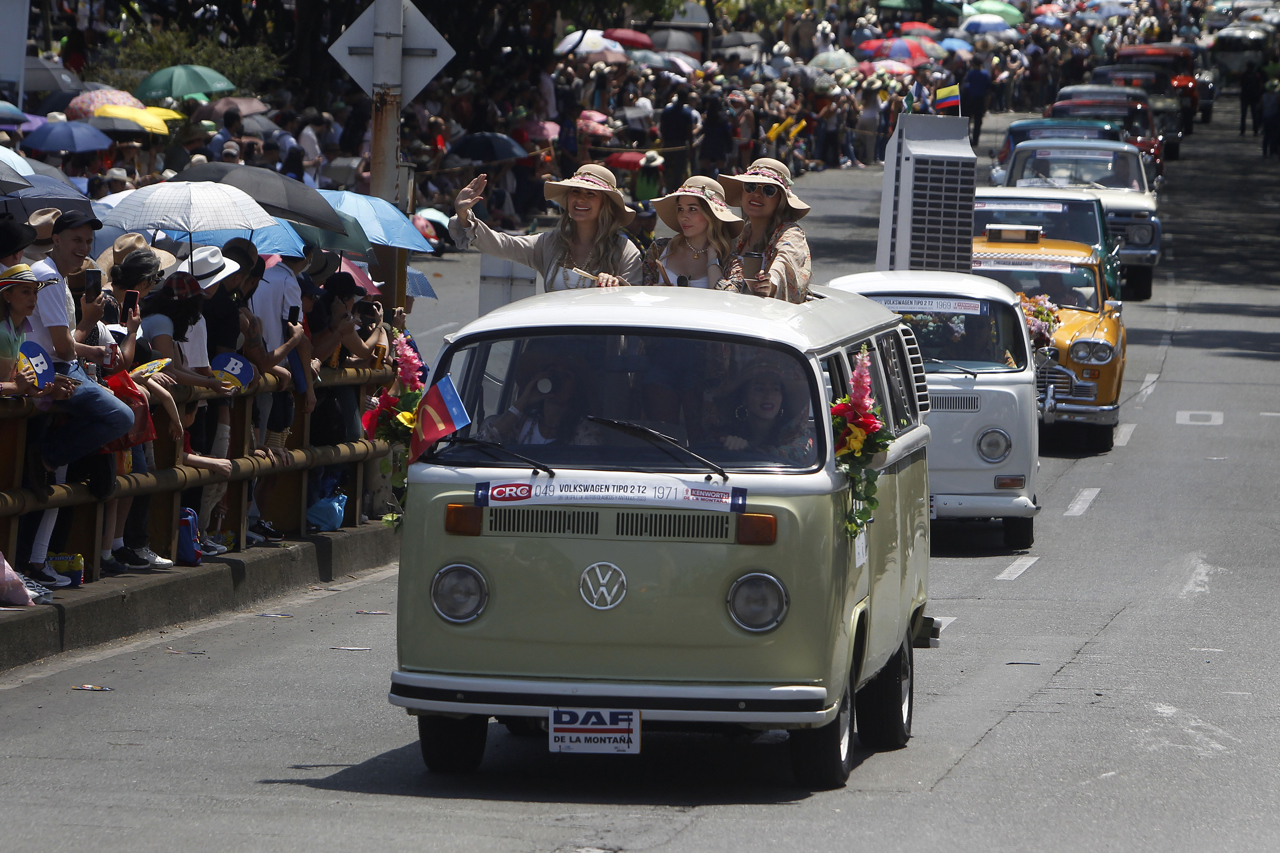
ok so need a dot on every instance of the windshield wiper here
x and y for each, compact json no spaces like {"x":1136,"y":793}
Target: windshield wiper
{"x":490,"y":446}
{"x":663,"y":441}
{"x":972,"y":373}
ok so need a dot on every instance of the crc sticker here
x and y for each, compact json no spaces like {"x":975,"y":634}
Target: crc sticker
{"x":1071,"y":154}
{"x":1064,"y":133}
{"x":933,"y":305}
{"x":629,"y":489}
{"x":1025,"y":266}
{"x":1021,"y":206}
{"x":594,"y":730}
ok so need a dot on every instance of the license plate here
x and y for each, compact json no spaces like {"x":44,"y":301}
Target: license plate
{"x":594,"y":730}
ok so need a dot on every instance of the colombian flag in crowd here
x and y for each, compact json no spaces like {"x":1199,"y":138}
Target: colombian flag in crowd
{"x":948,"y":97}
{"x":439,"y":414}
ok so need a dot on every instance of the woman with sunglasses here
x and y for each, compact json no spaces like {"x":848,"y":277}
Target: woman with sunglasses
{"x":771,"y":238}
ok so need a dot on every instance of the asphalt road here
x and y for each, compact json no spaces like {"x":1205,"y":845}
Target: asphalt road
{"x":1118,"y":693}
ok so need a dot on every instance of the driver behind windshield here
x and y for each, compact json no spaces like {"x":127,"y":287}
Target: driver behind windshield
{"x":551,"y":404}
{"x":764,"y":408}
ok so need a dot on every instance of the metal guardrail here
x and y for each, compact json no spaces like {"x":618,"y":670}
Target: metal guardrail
{"x":286,"y":509}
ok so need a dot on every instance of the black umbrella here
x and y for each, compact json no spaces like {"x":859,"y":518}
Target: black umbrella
{"x":278,"y":195}
{"x":45,"y":192}
{"x":10,"y":180}
{"x":739,"y":40}
{"x":488,"y":147}
{"x":41,"y":75}
{"x":118,"y":128}
{"x":675,"y":40}
{"x":42,"y":168}
{"x":258,"y":123}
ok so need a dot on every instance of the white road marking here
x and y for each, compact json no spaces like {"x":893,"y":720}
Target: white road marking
{"x":1148,"y":386}
{"x":944,"y":622}
{"x":1205,"y":739}
{"x":1270,"y":414}
{"x":1082,"y":501}
{"x":1124,"y":433}
{"x":1019,"y":566}
{"x":1198,"y":582}
{"x":1199,"y":418}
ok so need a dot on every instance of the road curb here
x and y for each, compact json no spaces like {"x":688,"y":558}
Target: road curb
{"x":122,"y":606}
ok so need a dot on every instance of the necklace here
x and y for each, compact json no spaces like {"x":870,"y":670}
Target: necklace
{"x":697,"y":253}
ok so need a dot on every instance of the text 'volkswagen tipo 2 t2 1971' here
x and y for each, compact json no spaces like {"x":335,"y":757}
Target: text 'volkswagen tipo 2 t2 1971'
{"x":644,"y":529}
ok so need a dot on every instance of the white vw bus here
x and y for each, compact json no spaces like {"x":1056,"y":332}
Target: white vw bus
{"x":982,"y":392}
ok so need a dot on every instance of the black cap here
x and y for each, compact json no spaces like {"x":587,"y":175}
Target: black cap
{"x":14,"y":236}
{"x":343,"y":286}
{"x":76,"y":219}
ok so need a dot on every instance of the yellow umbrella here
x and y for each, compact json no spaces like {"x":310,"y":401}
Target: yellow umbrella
{"x":149,"y":121}
{"x":166,"y":115}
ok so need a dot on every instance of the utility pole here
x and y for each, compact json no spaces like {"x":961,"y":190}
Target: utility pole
{"x":388,"y":51}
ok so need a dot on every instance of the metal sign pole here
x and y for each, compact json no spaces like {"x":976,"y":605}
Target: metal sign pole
{"x":388,"y":45}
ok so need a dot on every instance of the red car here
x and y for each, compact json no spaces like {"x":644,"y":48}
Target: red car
{"x":1180,"y":61}
{"x":1138,"y":121}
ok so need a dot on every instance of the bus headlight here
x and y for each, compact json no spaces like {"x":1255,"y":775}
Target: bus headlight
{"x":459,"y":593}
{"x":757,"y":602}
{"x":994,"y":445}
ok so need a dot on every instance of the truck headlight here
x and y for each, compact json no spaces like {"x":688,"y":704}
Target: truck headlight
{"x":757,"y":602}
{"x":1140,"y":235}
{"x":459,"y":593}
{"x":1091,"y":352}
{"x":994,"y":445}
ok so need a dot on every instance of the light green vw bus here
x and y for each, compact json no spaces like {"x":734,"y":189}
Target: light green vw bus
{"x":642,"y":530}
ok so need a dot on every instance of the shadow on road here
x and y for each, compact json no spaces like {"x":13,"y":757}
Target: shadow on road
{"x":676,"y":770}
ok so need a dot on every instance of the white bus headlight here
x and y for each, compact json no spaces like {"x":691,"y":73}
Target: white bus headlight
{"x":459,"y":593}
{"x":757,"y":602}
{"x":994,"y":445}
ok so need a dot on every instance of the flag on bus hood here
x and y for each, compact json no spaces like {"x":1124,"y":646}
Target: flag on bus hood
{"x":440,"y":413}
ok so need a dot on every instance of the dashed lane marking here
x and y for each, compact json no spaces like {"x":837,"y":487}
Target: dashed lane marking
{"x":1148,"y":386}
{"x":1270,"y":414}
{"x":1199,"y":418}
{"x":1123,"y":433}
{"x":1019,"y":566}
{"x":943,"y":621}
{"x":1081,"y":502}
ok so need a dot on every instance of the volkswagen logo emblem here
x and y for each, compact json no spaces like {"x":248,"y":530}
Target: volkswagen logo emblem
{"x":603,"y":586}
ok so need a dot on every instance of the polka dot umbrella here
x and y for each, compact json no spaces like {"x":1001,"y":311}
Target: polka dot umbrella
{"x":86,"y":104}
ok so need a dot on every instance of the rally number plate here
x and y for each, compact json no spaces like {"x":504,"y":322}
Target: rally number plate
{"x":594,"y":730}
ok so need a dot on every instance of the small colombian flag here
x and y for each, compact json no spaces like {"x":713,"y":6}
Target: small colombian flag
{"x":948,"y":97}
{"x":440,"y":413}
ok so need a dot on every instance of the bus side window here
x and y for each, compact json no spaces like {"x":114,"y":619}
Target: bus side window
{"x":835,"y":380}
{"x":901,"y":409}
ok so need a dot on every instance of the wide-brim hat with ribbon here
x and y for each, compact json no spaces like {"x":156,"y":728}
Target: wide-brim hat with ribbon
{"x":764,"y":171}
{"x":591,"y":177}
{"x":206,"y":266}
{"x":710,"y":192}
{"x":20,"y":274}
{"x":125,"y":245}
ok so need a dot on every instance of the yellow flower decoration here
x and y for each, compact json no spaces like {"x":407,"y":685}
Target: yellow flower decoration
{"x":853,"y":440}
{"x":408,"y":419}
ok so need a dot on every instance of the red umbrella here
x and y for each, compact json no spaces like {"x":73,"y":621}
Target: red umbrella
{"x":866,"y":68}
{"x":608,"y":57}
{"x":630,"y":38}
{"x":361,"y":277}
{"x":919,"y":28}
{"x":592,"y":128}
{"x":540,"y":131}
{"x":903,"y":50}
{"x":592,"y":115}
{"x":628,"y":160}
{"x":84,"y":105}
{"x":1049,"y":9}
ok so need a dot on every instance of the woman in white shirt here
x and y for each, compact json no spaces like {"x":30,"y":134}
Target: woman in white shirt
{"x":705,"y":229}
{"x":588,"y":237}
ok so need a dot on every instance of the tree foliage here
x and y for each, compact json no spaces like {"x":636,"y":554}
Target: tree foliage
{"x":251,"y":67}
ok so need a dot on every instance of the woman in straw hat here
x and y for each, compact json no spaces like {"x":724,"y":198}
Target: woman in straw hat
{"x":18,"y":288}
{"x":771,"y":210}
{"x":705,"y":230}
{"x":589,"y":236}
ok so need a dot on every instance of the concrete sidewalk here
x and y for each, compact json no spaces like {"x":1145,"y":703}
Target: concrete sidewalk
{"x":118,"y":607}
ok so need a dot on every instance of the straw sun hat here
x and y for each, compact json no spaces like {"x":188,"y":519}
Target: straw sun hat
{"x":591,"y":177}
{"x":764,"y":171}
{"x":710,"y":192}
{"x":125,"y":245}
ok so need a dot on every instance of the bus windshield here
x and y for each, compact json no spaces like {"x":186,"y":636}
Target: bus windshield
{"x":962,"y":332}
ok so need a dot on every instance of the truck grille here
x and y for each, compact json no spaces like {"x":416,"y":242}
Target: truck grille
{"x":572,"y":522}
{"x":1065,"y":384}
{"x":956,"y":402}
{"x":705,"y":526}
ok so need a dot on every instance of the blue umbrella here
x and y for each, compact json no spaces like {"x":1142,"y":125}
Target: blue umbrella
{"x":955,"y":45}
{"x":382,"y":222}
{"x":416,"y":284}
{"x":1049,"y":21}
{"x":8,"y":112}
{"x":73,"y":136}
{"x":277,"y":240}
{"x":488,"y":147}
{"x":44,"y":192}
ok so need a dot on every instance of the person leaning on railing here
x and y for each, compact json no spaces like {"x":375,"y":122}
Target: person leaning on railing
{"x":18,"y":287}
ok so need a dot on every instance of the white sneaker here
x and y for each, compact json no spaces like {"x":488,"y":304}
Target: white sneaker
{"x":157,"y":562}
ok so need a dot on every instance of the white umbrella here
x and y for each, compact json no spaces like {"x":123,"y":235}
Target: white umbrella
{"x":190,"y":207}
{"x":985,"y":24}
{"x":114,"y":199}
{"x":15,"y":161}
{"x":587,"y":41}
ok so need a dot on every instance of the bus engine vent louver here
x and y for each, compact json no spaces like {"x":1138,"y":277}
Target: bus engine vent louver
{"x":554,"y":521}
{"x":703,"y":526}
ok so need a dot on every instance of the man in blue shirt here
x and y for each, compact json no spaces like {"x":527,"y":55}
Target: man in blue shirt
{"x":973,"y":97}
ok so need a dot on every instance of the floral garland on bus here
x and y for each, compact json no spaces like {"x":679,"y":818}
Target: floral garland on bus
{"x":860,"y":434}
{"x":1042,"y":319}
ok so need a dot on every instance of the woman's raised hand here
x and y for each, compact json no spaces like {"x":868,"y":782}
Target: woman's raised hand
{"x":467,"y":198}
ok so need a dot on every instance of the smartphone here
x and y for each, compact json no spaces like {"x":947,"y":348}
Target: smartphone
{"x":92,"y":284}
{"x":293,"y":313}
{"x":130,"y":303}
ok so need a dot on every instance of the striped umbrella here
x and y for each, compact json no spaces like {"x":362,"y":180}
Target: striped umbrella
{"x":86,"y":104}
{"x":190,"y":207}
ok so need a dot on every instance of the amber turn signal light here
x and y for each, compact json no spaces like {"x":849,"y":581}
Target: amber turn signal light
{"x":1011,"y":482}
{"x":757,"y":529}
{"x":463,"y":520}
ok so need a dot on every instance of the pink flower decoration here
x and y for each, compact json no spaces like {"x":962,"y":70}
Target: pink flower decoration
{"x":410,"y":365}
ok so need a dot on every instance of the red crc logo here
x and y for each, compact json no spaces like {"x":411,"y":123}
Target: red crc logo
{"x":511,"y":492}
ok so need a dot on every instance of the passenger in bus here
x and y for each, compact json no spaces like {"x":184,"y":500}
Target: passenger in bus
{"x":705,"y":231}
{"x":589,"y":236}
{"x":772,"y":211}
{"x":551,"y":405}
{"x":764,"y":409}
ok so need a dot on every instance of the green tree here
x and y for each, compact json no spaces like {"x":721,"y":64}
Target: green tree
{"x":251,"y":67}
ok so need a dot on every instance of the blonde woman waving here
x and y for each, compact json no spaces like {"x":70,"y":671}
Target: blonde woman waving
{"x":772,"y":251}
{"x":705,"y":230}
{"x":588,"y":238}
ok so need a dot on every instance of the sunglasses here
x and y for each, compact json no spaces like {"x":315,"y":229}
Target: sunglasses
{"x":767,"y":190}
